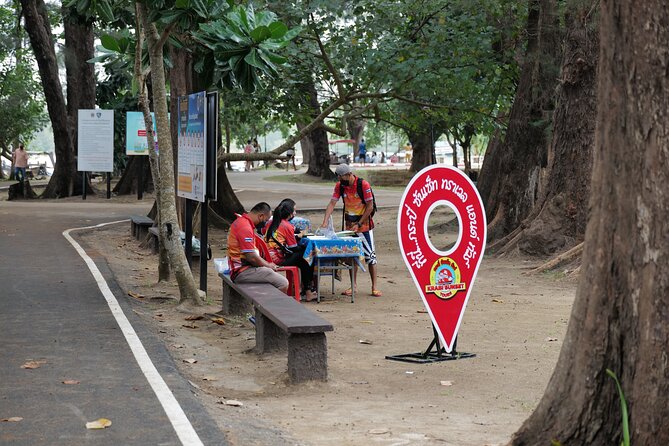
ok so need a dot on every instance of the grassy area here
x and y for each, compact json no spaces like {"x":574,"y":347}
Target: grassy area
{"x":377,"y":178}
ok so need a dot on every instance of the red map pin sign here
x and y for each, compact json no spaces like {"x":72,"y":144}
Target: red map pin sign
{"x":444,"y":278}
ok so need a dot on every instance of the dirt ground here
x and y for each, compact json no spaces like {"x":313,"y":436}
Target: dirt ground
{"x":514,"y":324}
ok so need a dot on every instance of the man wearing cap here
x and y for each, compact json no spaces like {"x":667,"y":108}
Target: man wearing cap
{"x":358,"y":211}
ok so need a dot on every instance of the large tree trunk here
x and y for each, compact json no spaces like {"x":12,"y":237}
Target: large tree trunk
{"x":356,"y":127}
{"x":619,"y":318}
{"x":79,"y":75}
{"x":227,"y":203}
{"x":561,"y":221}
{"x":319,"y":164}
{"x":306,"y":145}
{"x":127,"y":184}
{"x":524,"y":150}
{"x":63,"y":181}
{"x":421,"y":147}
{"x":169,"y":225}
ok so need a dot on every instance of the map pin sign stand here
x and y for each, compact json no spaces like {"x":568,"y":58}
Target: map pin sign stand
{"x":444,"y":279}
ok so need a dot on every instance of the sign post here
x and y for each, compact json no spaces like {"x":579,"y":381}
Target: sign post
{"x":444,"y":279}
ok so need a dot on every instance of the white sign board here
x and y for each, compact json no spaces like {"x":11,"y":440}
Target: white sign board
{"x":95,"y":141}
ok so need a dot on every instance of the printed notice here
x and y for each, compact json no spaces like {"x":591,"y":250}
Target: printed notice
{"x":95,"y":141}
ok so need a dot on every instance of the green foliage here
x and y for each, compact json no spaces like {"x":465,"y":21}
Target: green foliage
{"x":623,"y":409}
{"x":92,"y":8}
{"x":22,"y":106}
{"x":243,"y":46}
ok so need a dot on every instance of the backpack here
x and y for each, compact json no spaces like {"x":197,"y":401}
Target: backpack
{"x":360,"y":194}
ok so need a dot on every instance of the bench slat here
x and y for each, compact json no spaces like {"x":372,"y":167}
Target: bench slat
{"x":141,"y":220}
{"x":284,"y":311}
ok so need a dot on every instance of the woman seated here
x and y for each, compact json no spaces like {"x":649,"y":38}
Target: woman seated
{"x":283,"y":248}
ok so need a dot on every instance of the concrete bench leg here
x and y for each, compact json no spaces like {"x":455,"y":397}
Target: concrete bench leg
{"x":154,"y":244}
{"x":307,"y":357}
{"x":233,"y":303}
{"x":269,"y":337}
{"x":142,"y":232}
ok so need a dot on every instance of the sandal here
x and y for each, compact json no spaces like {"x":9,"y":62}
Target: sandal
{"x":377,"y":293}
{"x":348,"y":292}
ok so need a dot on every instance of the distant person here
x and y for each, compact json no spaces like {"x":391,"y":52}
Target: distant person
{"x":375,"y":158}
{"x":20,"y":160}
{"x":246,"y":264}
{"x":283,"y":247}
{"x":290,"y":157}
{"x":359,"y":206}
{"x":256,"y":146}
{"x":248,"y":149}
{"x":383,"y":157}
{"x":362,"y":151}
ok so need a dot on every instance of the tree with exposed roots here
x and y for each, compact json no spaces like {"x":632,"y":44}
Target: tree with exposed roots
{"x":619,"y":317}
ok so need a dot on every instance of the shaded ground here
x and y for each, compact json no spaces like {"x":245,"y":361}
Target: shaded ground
{"x":514,"y":323}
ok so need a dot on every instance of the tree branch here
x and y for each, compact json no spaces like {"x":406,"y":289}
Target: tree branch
{"x":333,"y":130}
{"x":166,"y":34}
{"x":290,"y":142}
{"x":328,"y":62}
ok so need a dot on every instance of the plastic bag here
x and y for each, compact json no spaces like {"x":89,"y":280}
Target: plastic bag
{"x":301,"y":224}
{"x":222,"y":265}
{"x":328,"y":231}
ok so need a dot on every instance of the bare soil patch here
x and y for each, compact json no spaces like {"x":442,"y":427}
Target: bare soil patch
{"x":514,"y":323}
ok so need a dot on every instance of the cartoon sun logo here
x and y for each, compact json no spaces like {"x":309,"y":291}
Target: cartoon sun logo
{"x":445,"y":279}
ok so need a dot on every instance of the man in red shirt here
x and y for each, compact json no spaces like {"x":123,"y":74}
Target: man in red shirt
{"x":245,"y":261}
{"x":358,"y":217}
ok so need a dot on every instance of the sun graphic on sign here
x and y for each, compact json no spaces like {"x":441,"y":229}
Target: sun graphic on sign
{"x":445,"y":279}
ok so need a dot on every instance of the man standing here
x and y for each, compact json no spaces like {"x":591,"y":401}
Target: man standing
{"x":290,"y":157}
{"x":362,"y":151}
{"x":248,"y":149}
{"x":20,"y":159}
{"x":358,"y":217}
{"x":245,"y":261}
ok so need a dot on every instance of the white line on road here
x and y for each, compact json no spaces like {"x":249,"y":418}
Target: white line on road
{"x":175,"y":413}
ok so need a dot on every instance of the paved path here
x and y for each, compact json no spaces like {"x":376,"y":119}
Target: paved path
{"x":52,"y":310}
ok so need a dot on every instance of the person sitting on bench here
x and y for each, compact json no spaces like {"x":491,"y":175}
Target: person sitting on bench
{"x":283,"y":247}
{"x":246,"y":264}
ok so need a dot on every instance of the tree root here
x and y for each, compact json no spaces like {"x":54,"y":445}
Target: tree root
{"x":561,"y":259}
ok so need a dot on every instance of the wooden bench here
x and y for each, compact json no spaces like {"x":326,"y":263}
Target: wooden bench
{"x":282,"y":323}
{"x":139,"y":226}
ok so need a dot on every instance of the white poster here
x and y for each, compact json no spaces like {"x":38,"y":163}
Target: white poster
{"x":95,"y":141}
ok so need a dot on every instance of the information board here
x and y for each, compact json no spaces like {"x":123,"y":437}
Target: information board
{"x":135,"y":134}
{"x":192,"y":141}
{"x":95,"y":141}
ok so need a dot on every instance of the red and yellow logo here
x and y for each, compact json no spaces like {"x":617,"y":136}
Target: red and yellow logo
{"x":445,"y":279}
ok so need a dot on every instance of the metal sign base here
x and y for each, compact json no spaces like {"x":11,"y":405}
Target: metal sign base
{"x":434,"y":353}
